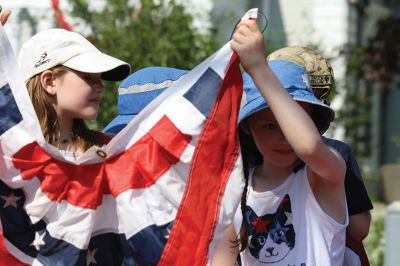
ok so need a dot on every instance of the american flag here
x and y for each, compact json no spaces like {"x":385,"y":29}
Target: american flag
{"x":160,"y":192}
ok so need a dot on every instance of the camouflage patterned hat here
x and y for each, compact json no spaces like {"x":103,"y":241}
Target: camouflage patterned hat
{"x":318,"y":68}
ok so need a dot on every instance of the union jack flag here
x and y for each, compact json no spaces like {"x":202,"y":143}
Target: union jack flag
{"x":160,"y":192}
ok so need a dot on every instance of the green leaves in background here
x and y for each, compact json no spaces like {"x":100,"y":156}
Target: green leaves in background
{"x":153,"y":34}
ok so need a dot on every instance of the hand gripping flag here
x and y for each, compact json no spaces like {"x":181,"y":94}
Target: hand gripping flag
{"x":161,"y":192}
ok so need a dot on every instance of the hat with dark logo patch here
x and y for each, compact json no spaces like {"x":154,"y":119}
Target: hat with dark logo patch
{"x":53,"y":47}
{"x":318,"y":68}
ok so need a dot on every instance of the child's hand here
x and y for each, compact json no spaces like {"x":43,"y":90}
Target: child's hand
{"x":248,"y":43}
{"x":4,"y":16}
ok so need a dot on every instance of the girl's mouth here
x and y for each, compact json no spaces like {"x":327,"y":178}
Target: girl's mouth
{"x":95,"y":100}
{"x":286,"y":151}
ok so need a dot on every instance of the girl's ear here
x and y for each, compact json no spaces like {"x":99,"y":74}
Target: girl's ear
{"x":47,"y":81}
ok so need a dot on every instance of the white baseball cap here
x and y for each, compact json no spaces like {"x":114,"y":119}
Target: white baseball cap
{"x":53,"y":47}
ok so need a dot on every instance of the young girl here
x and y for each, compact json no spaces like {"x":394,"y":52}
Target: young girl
{"x":63,"y":73}
{"x":293,"y":211}
{"x":359,"y":205}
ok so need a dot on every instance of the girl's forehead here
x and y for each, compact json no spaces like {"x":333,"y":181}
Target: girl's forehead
{"x":264,"y":114}
{"x":267,"y":115}
{"x":81,"y":74}
{"x":73,"y":75}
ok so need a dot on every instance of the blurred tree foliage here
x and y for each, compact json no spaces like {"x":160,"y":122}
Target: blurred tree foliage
{"x":375,"y":242}
{"x":153,"y":33}
{"x":379,"y":61}
{"x":355,"y":115}
{"x":369,"y":67}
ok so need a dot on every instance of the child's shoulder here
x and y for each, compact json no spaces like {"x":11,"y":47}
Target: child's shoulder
{"x":340,"y":146}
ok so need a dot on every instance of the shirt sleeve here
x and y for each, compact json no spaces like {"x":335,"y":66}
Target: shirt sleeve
{"x":357,"y":197}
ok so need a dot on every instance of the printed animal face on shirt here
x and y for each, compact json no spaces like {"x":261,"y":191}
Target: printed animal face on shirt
{"x":272,"y":236}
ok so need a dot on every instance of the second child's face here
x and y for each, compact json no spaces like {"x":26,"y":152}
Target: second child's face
{"x":270,"y":140}
{"x":78,"y":95}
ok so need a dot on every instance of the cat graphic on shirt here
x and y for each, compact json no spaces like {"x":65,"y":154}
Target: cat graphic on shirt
{"x":271,"y":236}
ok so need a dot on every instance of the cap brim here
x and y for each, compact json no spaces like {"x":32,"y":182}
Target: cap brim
{"x":322,"y":118}
{"x":117,"y":124}
{"x":251,"y":108}
{"x":112,"y":69}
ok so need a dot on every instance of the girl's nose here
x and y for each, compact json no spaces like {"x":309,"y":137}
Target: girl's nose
{"x":283,"y":140}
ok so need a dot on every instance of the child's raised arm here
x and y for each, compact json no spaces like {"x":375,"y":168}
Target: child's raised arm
{"x":326,"y":165}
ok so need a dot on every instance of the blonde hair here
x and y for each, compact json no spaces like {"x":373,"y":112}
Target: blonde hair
{"x":82,"y":137}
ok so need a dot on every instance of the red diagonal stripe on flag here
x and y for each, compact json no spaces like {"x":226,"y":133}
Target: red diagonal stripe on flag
{"x":144,"y":163}
{"x":214,"y":158}
{"x":84,"y":185}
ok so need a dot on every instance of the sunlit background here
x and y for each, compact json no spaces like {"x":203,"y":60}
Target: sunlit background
{"x":360,"y":37}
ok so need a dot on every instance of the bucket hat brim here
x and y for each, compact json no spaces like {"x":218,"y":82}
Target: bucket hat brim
{"x":118,"y":123}
{"x":138,"y":90}
{"x":295,"y":80}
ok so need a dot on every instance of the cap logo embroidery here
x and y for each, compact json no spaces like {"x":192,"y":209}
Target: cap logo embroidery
{"x":321,"y":80}
{"x":42,"y":60}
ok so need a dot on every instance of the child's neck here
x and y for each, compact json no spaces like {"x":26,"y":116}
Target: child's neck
{"x":268,"y":177}
{"x":66,"y":135}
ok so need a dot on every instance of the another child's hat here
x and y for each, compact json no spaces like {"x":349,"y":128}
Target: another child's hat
{"x":138,"y":90}
{"x":53,"y":47}
{"x":318,"y":68}
{"x":295,"y":80}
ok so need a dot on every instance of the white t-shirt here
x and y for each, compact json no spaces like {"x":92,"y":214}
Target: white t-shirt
{"x":289,"y":228}
{"x":70,"y":155}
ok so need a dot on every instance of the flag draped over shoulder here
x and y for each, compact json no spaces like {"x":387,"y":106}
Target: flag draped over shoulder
{"x":161,"y":192}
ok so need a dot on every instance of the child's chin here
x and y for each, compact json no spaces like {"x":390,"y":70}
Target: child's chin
{"x":89,"y":117}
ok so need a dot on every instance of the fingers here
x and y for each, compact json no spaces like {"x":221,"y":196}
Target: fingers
{"x":247,"y":32}
{"x":4,"y":16}
{"x":246,"y":28}
{"x":248,"y":43}
{"x":240,"y":36}
{"x":241,"y":33}
{"x":251,"y":24}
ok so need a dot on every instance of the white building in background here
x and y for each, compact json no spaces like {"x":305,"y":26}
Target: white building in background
{"x":27,"y":17}
{"x":31,"y":16}
{"x":323,"y":23}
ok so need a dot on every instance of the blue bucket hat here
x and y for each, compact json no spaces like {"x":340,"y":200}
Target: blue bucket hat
{"x":295,"y":80}
{"x":138,"y":90}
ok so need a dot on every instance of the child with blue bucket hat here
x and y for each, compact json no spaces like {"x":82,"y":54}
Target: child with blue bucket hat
{"x":138,"y":90}
{"x":322,"y":82}
{"x":293,"y":209}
